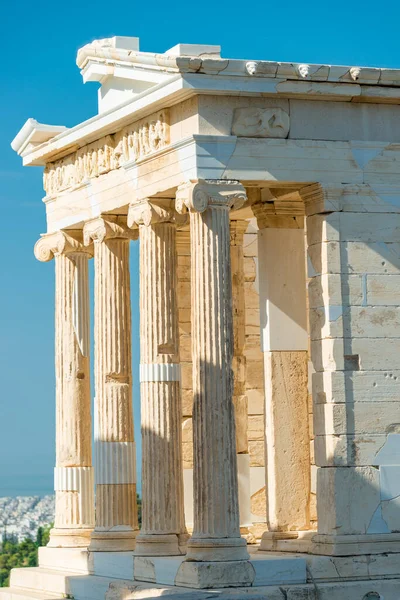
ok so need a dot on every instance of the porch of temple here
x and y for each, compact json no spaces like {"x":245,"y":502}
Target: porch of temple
{"x":265,"y":200}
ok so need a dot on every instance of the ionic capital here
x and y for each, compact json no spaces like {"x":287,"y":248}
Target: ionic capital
{"x":151,"y":211}
{"x":102,"y":229}
{"x":197,"y":196}
{"x":54,"y":244}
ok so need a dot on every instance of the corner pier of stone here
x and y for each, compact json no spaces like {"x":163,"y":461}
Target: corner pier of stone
{"x":264,"y":198}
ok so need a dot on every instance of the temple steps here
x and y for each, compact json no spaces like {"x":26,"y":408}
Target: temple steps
{"x":57,"y":583}
{"x":15,"y":593}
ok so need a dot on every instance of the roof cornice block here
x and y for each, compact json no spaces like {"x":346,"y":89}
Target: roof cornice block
{"x":34,"y":134}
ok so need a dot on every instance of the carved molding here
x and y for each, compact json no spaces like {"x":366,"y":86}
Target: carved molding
{"x":261,"y":122}
{"x":53,"y":244}
{"x":197,"y":196}
{"x":132,"y":143}
{"x":150,"y":211}
{"x":101,"y":229}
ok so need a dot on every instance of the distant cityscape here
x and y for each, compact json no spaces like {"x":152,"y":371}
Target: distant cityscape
{"x":22,"y":516}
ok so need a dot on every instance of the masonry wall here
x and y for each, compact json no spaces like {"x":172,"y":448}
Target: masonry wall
{"x":354,"y":269}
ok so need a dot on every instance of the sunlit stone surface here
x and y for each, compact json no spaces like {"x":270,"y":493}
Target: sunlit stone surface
{"x":266,"y":200}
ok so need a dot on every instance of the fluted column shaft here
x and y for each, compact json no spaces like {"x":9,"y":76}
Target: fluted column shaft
{"x":73,"y":474}
{"x":116,"y":506}
{"x":240,"y":403}
{"x":216,"y":533}
{"x":161,"y":408}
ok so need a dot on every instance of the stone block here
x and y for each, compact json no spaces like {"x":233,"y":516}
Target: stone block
{"x":250,"y":245}
{"x":323,"y":228}
{"x":356,"y":386}
{"x":383,"y":290}
{"x":355,"y":450}
{"x":323,"y":258}
{"x":186,"y":376}
{"x":353,"y":227}
{"x":241,"y":422}
{"x":187,"y":403}
{"x":328,"y":289}
{"x":372,"y":258}
{"x":326,"y":322}
{"x":255,"y":374}
{"x":376,"y":354}
{"x":257,"y":453}
{"x":256,"y":427}
{"x":347,"y":499}
{"x":252,"y":348}
{"x":252,"y":321}
{"x":287,"y":439}
{"x":255,"y":400}
{"x":185,"y":348}
{"x":185,"y":328}
{"x":372,"y":321}
{"x":250,"y":268}
{"x":187,"y":443}
{"x":184,"y":315}
{"x":328,"y":354}
{"x":215,"y":574}
{"x":183,"y":294}
{"x":251,"y":296}
{"x":356,"y":418}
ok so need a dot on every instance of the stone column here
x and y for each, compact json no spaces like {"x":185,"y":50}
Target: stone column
{"x":283,"y":315}
{"x":73,"y":474}
{"x":354,"y":267}
{"x":115,"y":468}
{"x":163,"y":524}
{"x":216,"y":532}
{"x":237,"y":229}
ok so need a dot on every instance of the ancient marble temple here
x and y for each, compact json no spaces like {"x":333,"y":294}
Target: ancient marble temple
{"x":265,"y":198}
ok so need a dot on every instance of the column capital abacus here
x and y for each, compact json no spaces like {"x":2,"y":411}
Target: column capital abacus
{"x":60,"y":242}
{"x":197,"y":196}
{"x":101,"y":229}
{"x":151,"y":211}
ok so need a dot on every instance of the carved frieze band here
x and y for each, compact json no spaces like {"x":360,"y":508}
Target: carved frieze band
{"x":110,"y":152}
{"x":261,"y":122}
{"x":160,"y":372}
{"x":52,"y":244}
{"x":151,"y":211}
{"x":197,"y":196}
{"x":115,"y":462}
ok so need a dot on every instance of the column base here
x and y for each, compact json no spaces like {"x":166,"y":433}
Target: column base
{"x":113,"y":541}
{"x":217,"y":549}
{"x":311,"y":542}
{"x":203,"y":575}
{"x":161,"y":544}
{"x":289,"y":541}
{"x":70,"y":538}
{"x":348,"y":545}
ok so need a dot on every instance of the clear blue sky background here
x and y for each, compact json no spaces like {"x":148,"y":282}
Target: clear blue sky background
{"x":39,"y":79}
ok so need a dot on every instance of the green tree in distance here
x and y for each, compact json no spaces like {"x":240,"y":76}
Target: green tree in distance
{"x":20,"y":554}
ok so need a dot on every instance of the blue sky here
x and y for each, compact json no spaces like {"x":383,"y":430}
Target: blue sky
{"x":39,"y":79}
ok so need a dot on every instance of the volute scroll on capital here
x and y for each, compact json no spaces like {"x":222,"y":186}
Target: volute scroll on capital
{"x":100,"y":229}
{"x":152,"y":211}
{"x":60,"y":242}
{"x":197,"y":196}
